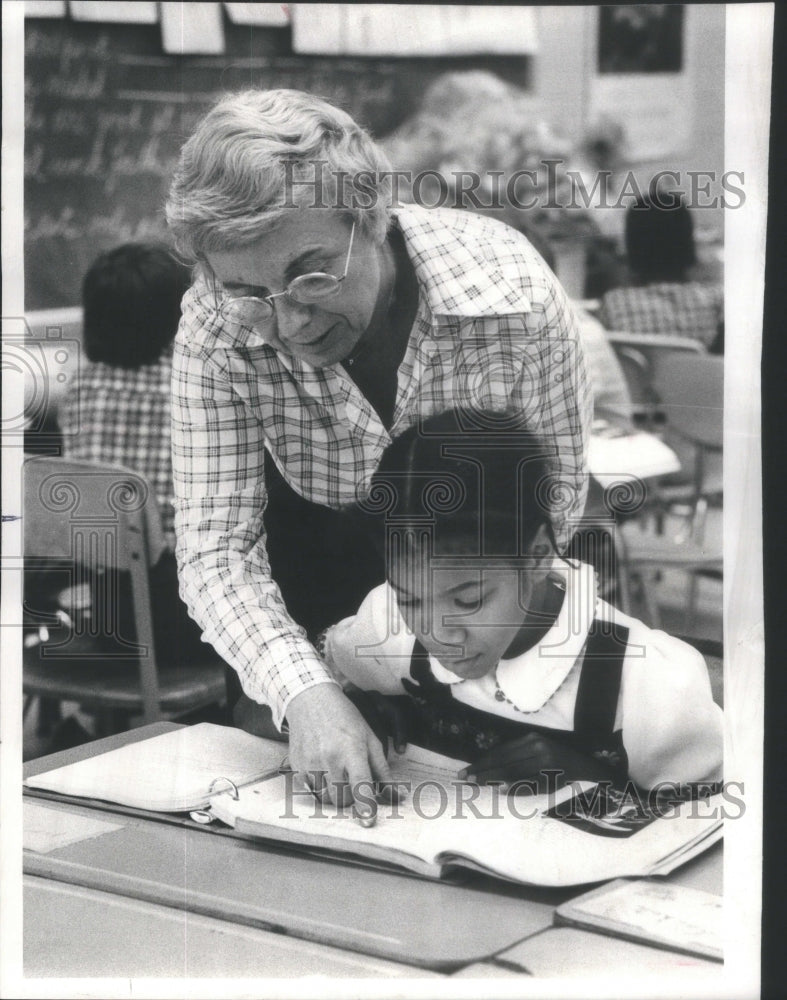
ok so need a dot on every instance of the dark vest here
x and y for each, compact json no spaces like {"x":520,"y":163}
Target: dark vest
{"x":439,"y":722}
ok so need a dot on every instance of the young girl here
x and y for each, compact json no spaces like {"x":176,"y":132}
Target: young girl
{"x":493,"y":649}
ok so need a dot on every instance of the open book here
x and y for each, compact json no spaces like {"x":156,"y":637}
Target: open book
{"x":173,"y":772}
{"x":569,"y":837}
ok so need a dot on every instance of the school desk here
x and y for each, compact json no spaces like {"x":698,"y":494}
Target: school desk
{"x":141,"y":896}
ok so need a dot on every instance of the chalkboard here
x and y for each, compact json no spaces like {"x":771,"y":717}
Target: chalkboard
{"x":106,"y":113}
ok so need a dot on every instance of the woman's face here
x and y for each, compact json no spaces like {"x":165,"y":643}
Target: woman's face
{"x":322,"y":333}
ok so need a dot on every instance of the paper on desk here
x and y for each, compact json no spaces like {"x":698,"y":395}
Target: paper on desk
{"x":614,"y":457}
{"x":687,"y":918}
{"x":45,"y":829}
{"x":418,"y":764}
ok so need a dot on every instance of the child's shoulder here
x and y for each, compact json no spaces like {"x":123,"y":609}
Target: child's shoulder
{"x":663,"y":676}
{"x":649,"y":646}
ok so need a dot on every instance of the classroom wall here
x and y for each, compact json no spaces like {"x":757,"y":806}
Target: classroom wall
{"x":565,"y":71}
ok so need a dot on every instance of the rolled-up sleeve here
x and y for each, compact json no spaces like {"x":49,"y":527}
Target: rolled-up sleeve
{"x":225,"y":578}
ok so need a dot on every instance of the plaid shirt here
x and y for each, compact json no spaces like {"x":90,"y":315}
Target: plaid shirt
{"x":492,"y":329}
{"x":122,"y":416}
{"x":684,"y":310}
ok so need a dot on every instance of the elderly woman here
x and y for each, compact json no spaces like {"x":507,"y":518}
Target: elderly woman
{"x":323,"y":322}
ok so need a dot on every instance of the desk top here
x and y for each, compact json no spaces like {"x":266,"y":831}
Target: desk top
{"x":358,"y":920}
{"x":131,"y":938}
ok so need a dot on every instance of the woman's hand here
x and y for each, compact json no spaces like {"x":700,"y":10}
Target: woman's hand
{"x":328,"y":735}
{"x":528,"y":757}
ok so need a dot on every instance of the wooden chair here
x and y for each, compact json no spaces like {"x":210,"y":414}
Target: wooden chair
{"x":690,"y":391}
{"x":84,"y":521}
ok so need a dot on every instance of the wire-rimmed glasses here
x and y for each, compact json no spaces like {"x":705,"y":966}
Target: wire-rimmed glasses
{"x":252,"y":310}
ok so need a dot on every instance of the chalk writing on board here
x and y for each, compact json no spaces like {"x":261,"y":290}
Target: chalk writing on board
{"x":65,"y":48}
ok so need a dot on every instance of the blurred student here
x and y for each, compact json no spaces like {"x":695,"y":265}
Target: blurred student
{"x":493,"y":649}
{"x":611,"y":397}
{"x":663,"y":298}
{"x":117,"y":407}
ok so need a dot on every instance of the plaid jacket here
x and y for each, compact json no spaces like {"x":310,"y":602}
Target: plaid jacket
{"x":492,"y":329}
{"x":122,"y":416}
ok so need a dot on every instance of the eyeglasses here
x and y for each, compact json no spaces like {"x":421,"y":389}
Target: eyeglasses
{"x":252,"y":310}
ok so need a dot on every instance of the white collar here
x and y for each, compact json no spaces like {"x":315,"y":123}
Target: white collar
{"x":529,"y":680}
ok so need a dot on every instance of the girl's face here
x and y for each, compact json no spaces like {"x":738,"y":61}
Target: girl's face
{"x":465,"y":616}
{"x":321,"y":333}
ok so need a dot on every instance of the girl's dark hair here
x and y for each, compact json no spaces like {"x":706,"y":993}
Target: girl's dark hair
{"x":660,"y":239}
{"x":478,"y":481}
{"x":131,"y":297}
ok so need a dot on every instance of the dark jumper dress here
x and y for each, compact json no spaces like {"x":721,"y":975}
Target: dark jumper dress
{"x":439,"y":722}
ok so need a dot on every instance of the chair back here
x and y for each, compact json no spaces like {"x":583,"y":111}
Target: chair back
{"x":637,"y":373}
{"x":691,"y":394}
{"x":638,"y":355}
{"x":690,"y":388}
{"x":97,"y":521}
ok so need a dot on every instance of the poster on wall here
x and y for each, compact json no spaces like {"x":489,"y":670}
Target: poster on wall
{"x":656,"y":107}
{"x":641,"y":77}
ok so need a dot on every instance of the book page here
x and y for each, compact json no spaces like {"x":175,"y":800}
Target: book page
{"x":167,"y":773}
{"x":558,"y":846}
{"x":277,"y":808}
{"x":439,"y":821}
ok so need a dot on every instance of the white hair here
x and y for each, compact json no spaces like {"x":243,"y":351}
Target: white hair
{"x":259,"y":153}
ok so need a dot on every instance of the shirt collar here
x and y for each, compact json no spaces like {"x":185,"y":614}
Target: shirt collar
{"x":529,"y":680}
{"x":453,"y":254}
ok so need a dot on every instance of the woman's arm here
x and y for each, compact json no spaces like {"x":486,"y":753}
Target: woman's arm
{"x":217,"y":454}
{"x":217,"y":447}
